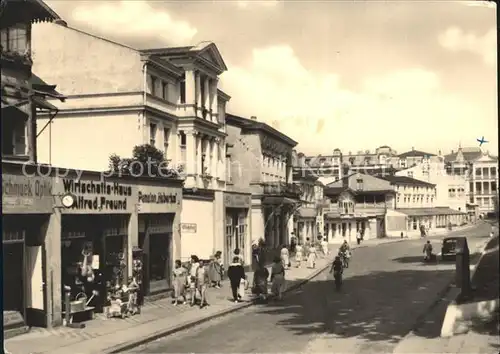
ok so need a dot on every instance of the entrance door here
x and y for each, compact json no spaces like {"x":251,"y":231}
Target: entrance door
{"x":13,"y":283}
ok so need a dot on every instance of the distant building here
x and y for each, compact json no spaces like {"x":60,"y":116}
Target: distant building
{"x":451,"y":191}
{"x":383,"y":161}
{"x":481,"y":171}
{"x":413,"y":158}
{"x":358,"y":202}
{"x":415,"y":208}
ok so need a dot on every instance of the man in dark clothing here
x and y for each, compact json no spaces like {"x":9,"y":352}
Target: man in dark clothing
{"x":337,"y":266}
{"x":235,"y":273}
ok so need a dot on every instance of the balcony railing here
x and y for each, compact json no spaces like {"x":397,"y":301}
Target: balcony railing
{"x":369,"y":209}
{"x":282,"y":189}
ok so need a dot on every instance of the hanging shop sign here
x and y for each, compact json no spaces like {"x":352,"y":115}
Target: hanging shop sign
{"x":95,"y":196}
{"x":156,"y":199}
{"x":22,"y":195}
{"x":237,"y":200}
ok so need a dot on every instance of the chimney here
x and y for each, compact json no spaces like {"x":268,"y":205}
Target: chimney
{"x":452,"y":151}
{"x":439,"y":153}
{"x":253,"y":118}
{"x":412,"y":148}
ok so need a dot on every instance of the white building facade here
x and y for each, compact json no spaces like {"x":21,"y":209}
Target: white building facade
{"x":451,"y":191}
{"x":120,"y":97}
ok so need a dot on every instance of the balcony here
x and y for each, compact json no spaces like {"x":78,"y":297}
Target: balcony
{"x":370,"y":209}
{"x":282,"y":189}
{"x":359,"y":210}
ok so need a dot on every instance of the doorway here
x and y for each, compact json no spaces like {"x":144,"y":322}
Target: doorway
{"x":13,"y":284}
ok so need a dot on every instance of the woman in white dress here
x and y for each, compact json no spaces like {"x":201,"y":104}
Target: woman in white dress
{"x":299,"y":254}
{"x":285,"y":256}
{"x":311,"y":256}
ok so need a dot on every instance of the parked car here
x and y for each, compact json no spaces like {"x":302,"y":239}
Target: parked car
{"x":448,"y":247}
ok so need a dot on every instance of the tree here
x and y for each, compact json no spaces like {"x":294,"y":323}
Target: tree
{"x":146,"y":160}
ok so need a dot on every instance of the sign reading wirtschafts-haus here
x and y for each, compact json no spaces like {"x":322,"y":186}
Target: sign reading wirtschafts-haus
{"x":96,"y":196}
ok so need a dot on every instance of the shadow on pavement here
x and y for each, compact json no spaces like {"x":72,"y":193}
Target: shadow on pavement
{"x":379,"y":306}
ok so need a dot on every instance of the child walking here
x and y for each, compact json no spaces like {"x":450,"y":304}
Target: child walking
{"x":180,"y":280}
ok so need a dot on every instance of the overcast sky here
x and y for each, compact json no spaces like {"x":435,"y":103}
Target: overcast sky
{"x":336,"y":74}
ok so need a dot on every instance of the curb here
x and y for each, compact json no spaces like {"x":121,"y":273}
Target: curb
{"x":166,"y":332}
{"x":421,"y":318}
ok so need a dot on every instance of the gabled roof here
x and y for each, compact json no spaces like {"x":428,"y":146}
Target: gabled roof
{"x":249,"y":125}
{"x":469,"y":154}
{"x":415,"y":153}
{"x":333,"y":191}
{"x":15,"y":11}
{"x":205,"y":52}
{"x":406,"y":181}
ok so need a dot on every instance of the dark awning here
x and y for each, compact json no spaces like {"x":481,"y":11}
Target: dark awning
{"x":429,"y":211}
{"x":43,"y":104}
{"x":279,"y":200}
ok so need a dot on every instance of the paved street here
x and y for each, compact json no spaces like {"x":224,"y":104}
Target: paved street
{"x":386,"y":289}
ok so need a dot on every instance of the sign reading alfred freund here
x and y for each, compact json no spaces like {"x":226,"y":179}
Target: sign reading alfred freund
{"x":97,"y":195}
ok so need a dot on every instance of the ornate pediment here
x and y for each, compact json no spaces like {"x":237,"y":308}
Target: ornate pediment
{"x":208,"y":52}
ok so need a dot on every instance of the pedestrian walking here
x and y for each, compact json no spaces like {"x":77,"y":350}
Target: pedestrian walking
{"x":180,"y":280}
{"x":236,"y":253}
{"x":202,"y":283}
{"x":194,"y":264}
{"x":324,"y":247}
{"x":255,"y":256}
{"x":278,"y":278}
{"x":260,"y":277}
{"x":285,"y":256}
{"x":235,"y":273}
{"x":299,"y":255}
{"x":358,"y":236}
{"x":311,"y":257}
{"x":215,"y":272}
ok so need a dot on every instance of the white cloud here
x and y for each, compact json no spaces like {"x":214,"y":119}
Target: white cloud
{"x":403,"y":108}
{"x":134,"y":19}
{"x":264,"y":3}
{"x":455,"y":39}
{"x":480,"y":3}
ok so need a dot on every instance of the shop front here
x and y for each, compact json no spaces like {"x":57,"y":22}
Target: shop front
{"x":95,"y":218}
{"x":237,"y":213}
{"x":27,"y":203}
{"x":159,"y":237}
{"x":305,"y":224}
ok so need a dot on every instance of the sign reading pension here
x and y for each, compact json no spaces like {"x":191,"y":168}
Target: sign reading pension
{"x":97,"y":196}
{"x":156,"y":199}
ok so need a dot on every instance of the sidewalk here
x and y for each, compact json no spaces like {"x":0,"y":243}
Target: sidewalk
{"x":157,"y":319}
{"x":426,"y":338}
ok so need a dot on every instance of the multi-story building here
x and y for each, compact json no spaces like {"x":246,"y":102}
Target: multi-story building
{"x":414,"y":208}
{"x":413,"y":158}
{"x":358,"y":202}
{"x":451,"y":190}
{"x":383,"y":161}
{"x":263,"y":158}
{"x":27,"y":201}
{"x":120,"y":97}
{"x":306,"y":216}
{"x":481,"y":171}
